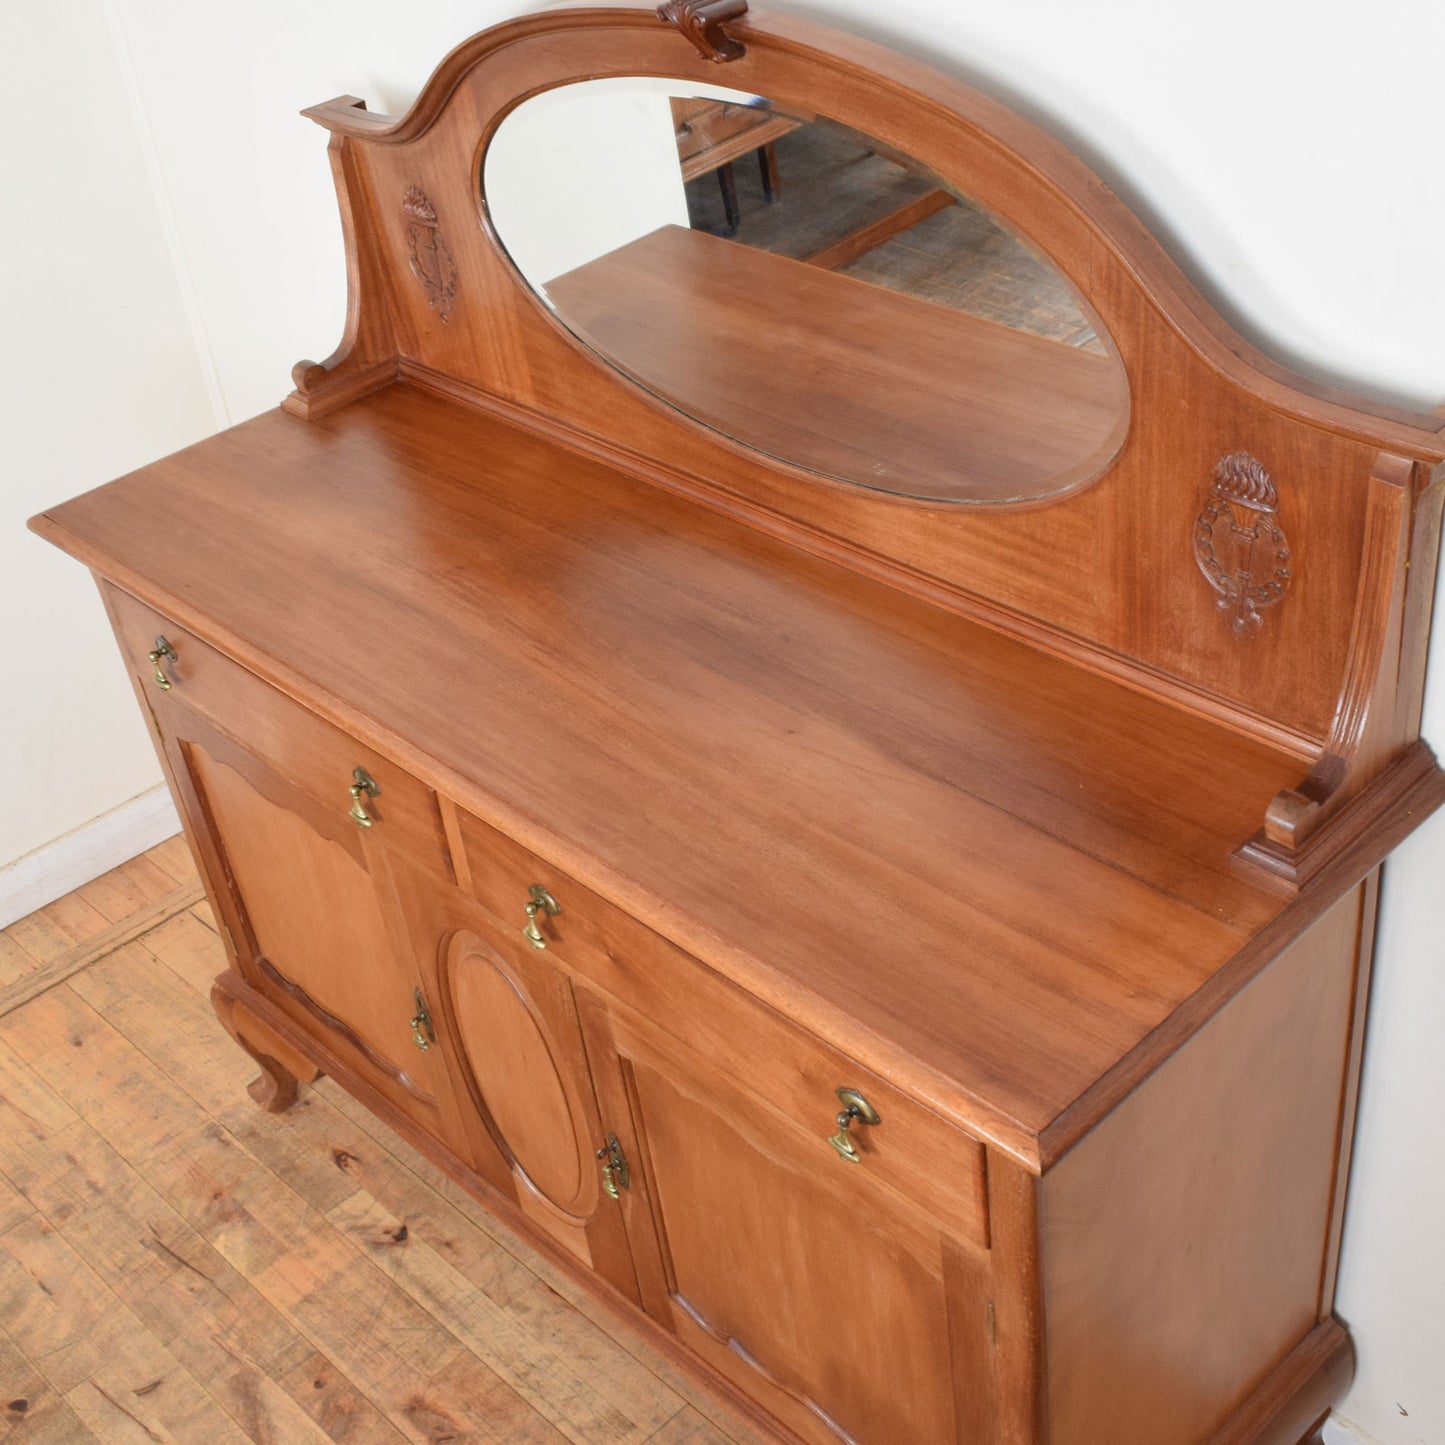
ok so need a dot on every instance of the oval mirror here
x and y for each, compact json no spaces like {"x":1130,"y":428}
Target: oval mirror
{"x":805,"y":290}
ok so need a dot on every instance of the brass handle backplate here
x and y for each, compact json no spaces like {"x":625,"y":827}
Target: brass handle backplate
{"x":162,"y":653}
{"x":855,"y":1107}
{"x":363,"y":785}
{"x":423,"y":1034}
{"x":538,"y":901}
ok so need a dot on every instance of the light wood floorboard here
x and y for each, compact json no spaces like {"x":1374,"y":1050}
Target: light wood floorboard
{"x":177,"y":1265}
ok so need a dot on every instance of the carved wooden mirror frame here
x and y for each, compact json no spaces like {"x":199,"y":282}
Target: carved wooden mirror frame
{"x":1261,"y":550}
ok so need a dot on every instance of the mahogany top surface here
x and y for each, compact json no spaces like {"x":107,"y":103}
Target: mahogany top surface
{"x":972,"y":864}
{"x":846,"y":378}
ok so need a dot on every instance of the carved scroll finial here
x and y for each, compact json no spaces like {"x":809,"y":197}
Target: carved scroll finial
{"x":431,"y":258}
{"x":702,"y":21}
{"x":1239,"y":546}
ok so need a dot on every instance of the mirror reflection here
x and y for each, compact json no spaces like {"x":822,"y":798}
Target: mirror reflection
{"x":805,"y":290}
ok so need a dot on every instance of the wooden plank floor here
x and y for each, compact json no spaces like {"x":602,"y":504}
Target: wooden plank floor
{"x":176,"y":1265}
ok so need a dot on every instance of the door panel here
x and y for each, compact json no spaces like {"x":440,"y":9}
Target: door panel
{"x":318,"y":927}
{"x":517,"y":1075}
{"x":510,"y":1021}
{"x":308,"y":904}
{"x":813,"y":1288}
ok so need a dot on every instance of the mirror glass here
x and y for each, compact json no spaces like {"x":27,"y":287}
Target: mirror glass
{"x":805,"y":290}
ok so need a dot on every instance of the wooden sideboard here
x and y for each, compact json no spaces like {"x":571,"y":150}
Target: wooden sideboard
{"x":908,"y":957}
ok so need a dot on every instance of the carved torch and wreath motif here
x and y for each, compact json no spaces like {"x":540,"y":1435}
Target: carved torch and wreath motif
{"x":1238,"y":543}
{"x":431,"y":258}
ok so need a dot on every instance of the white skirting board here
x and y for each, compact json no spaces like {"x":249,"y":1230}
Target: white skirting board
{"x":92,"y":849}
{"x":1345,"y":1432}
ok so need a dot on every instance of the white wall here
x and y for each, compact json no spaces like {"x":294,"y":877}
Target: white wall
{"x":576,"y":172}
{"x":1288,"y":153}
{"x":99,"y":373}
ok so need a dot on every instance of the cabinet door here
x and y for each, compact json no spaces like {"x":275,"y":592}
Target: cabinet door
{"x":845,"y":1312}
{"x":508,"y":1013}
{"x":305,"y":897}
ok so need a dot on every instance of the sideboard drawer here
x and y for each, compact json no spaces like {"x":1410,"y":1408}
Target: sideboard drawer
{"x":303,"y":748}
{"x":937,"y":1165}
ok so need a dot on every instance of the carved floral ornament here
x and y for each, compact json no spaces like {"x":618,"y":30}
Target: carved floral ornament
{"x":702,"y":21}
{"x":431,"y":259}
{"x":1239,"y":545}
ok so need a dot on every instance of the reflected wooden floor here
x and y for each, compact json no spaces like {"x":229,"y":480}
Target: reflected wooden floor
{"x":833,"y":184}
{"x":176,"y":1265}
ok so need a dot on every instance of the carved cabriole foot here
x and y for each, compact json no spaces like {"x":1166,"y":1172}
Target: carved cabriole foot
{"x":274,"y":1088}
{"x":283,"y":1070}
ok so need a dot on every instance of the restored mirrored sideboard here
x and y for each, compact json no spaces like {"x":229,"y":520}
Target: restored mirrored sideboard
{"x":796,"y":710}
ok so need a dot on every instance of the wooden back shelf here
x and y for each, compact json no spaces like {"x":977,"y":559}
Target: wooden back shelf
{"x":863,"y":383}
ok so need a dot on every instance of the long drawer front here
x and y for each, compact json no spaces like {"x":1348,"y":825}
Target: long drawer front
{"x":915,"y":1151}
{"x":304,"y":748}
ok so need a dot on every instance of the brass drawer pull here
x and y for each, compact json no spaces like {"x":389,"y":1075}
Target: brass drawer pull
{"x":855,"y":1106}
{"x":538,"y":901}
{"x":616,"y":1172}
{"x":423,"y":1034}
{"x":363,"y":785}
{"x":162,"y":653}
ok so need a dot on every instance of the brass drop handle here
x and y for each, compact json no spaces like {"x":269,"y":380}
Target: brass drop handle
{"x":162,"y":653}
{"x":538,"y":901}
{"x":423,"y":1034}
{"x":855,"y":1106}
{"x":616,"y":1172}
{"x":363,"y":785}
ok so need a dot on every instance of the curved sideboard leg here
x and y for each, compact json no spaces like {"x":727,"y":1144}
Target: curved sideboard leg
{"x":283,"y":1071}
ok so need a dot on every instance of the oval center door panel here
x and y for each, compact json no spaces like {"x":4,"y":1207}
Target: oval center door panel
{"x":514,"y":1073}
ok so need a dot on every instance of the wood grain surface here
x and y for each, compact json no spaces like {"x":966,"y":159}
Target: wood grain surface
{"x":1111,"y":564}
{"x":175,"y":1264}
{"x":945,"y":804}
{"x":869,"y":839}
{"x":1187,"y":1239}
{"x":846,"y":378}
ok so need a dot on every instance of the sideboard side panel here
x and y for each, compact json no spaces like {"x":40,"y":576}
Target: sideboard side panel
{"x":1185,"y":1240}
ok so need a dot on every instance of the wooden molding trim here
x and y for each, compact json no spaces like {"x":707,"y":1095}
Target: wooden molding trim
{"x":319,"y":392}
{"x":1359,"y":743}
{"x":378,"y":1060}
{"x":1300,"y":1390}
{"x":1414,"y":780}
